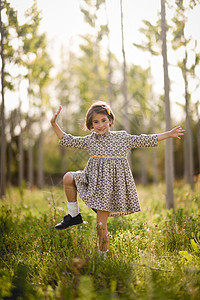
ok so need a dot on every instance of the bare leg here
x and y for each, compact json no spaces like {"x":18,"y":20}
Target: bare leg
{"x":70,"y":187}
{"x":102,"y":232}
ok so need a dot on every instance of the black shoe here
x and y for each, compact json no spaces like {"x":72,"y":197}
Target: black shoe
{"x":69,"y":221}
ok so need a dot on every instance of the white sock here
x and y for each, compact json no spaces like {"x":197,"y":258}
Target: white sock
{"x":73,"y":208}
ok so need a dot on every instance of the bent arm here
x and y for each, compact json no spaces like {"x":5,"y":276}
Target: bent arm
{"x":59,"y":132}
{"x":173,"y":133}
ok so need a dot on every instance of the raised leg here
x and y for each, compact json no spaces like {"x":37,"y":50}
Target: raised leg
{"x":74,"y":217}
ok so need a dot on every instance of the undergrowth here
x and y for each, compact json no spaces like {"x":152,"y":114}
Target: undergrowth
{"x":154,"y":254}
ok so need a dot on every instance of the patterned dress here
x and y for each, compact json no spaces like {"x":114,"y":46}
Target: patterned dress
{"x":107,"y":183}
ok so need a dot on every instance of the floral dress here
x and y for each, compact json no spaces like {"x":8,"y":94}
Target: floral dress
{"x":107,"y":183}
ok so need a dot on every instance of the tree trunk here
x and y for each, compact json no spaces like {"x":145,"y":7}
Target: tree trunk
{"x":154,"y":153}
{"x":169,"y":170}
{"x":198,"y":134}
{"x":3,"y":137}
{"x":98,"y":88}
{"x":30,"y":156}
{"x":20,"y":149}
{"x":188,"y":145}
{"x":126,"y":120}
{"x":144,"y":166}
{"x":20,"y":159}
{"x":9,"y":163}
{"x":110,"y":87}
{"x":63,"y":160}
{"x":124,"y":84}
{"x":40,"y":169}
{"x":10,"y":154}
{"x":155,"y":166}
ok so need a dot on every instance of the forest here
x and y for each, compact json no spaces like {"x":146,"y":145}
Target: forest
{"x":154,"y":254}
{"x":93,"y":74}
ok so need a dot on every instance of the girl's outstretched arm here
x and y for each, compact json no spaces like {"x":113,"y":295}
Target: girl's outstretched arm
{"x":55,"y":126}
{"x":173,"y":133}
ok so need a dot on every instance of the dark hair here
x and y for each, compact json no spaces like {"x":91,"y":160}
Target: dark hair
{"x":98,"y":107}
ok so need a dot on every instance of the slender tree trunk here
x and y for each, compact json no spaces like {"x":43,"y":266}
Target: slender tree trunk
{"x":30,"y":165}
{"x":98,"y":88}
{"x":63,"y":160}
{"x":20,"y":159}
{"x":188,"y":145}
{"x":10,"y":154}
{"x":154,"y":153}
{"x":30,"y":156}
{"x":20,"y":149}
{"x":3,"y":137}
{"x":124,"y":84}
{"x":9,"y":163}
{"x":169,"y":170}
{"x":144,"y":179}
{"x":155,"y":166}
{"x":126,"y":120}
{"x":198,"y":134}
{"x":40,"y":169}
{"x":110,"y":87}
{"x":30,"y":179}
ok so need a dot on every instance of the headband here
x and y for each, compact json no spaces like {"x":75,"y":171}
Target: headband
{"x":108,"y":110}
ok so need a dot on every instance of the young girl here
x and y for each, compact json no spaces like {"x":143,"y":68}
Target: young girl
{"x":106,"y":184}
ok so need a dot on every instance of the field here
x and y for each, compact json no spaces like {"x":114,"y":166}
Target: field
{"x":154,"y":254}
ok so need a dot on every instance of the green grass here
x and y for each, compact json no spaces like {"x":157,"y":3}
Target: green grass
{"x":154,"y":254}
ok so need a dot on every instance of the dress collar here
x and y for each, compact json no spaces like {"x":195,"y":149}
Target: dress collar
{"x":98,"y":135}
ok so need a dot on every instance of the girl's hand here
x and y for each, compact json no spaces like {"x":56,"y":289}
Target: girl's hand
{"x":53,"y":120}
{"x":177,"y":132}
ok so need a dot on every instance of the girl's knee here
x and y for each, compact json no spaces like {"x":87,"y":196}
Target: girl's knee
{"x":68,"y":179}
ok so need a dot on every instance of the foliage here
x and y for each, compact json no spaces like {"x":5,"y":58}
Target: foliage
{"x":10,"y":31}
{"x":153,"y":254}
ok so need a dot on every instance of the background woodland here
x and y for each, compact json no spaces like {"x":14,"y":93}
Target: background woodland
{"x":30,"y":155}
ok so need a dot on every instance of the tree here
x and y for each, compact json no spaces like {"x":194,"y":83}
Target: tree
{"x":110,"y":69}
{"x":180,"y":41}
{"x":151,"y":45}
{"x":139,"y":89}
{"x":198,"y":134}
{"x":3,"y":139}
{"x":124,"y":84}
{"x":169,"y":170}
{"x":7,"y":53}
{"x":126,"y":120}
{"x":38,"y":64}
{"x":98,"y":31}
{"x":66,"y":94}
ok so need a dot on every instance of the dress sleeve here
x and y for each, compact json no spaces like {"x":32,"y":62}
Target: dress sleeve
{"x":71,"y":141}
{"x":142,"y":141}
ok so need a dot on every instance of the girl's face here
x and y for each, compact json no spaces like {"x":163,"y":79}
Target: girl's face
{"x":101,"y":123}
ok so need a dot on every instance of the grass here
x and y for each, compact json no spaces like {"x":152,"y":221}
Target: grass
{"x":154,"y":254}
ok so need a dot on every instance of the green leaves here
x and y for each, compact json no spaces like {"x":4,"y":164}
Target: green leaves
{"x":152,"y":38}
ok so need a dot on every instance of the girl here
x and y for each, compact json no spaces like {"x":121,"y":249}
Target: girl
{"x":106,"y":184}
